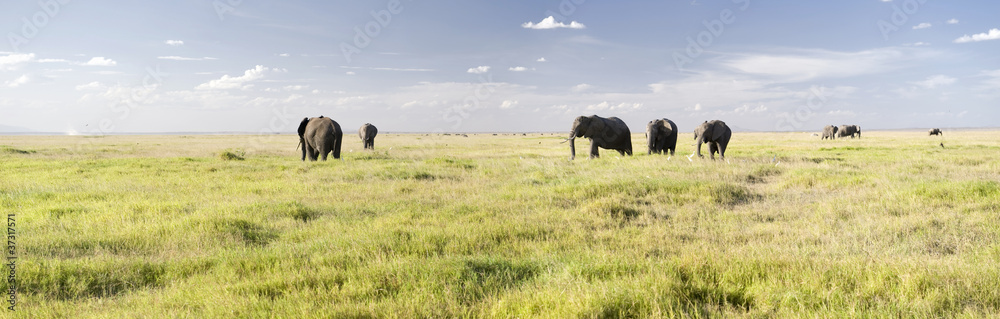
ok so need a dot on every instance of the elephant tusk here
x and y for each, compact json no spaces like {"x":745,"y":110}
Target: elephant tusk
{"x":566,"y":140}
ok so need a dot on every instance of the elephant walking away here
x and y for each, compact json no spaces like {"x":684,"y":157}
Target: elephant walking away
{"x":367,"y":133}
{"x":716,"y":134}
{"x":319,"y":136}
{"x":609,"y":133}
{"x":830,"y":132}
{"x":849,"y":130}
{"x":935,"y":131}
{"x":661,"y":136}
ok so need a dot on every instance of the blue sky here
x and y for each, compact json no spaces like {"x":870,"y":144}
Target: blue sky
{"x":92,"y":67}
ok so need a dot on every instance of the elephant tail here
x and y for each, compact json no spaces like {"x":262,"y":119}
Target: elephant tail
{"x":298,"y":145}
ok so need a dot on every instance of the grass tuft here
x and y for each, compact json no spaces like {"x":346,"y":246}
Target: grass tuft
{"x":232,"y":155}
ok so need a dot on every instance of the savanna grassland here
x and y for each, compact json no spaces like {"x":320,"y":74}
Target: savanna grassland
{"x":891,"y":225}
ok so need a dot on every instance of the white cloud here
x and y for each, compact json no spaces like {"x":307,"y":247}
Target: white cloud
{"x":174,"y":42}
{"x":923,"y":25}
{"x":52,"y":60}
{"x":178,"y":58}
{"x":284,"y":55}
{"x":541,"y":59}
{"x":918,"y":44}
{"x":550,"y":23}
{"x":350,"y":73}
{"x":935,"y":81}
{"x":746,"y":109}
{"x":993,"y":34}
{"x":386,"y":69}
{"x":295,"y":87}
{"x":508,"y":104}
{"x":18,"y":82}
{"x":605,"y":106}
{"x":518,"y":69}
{"x":697,"y":107}
{"x":812,"y":64}
{"x":952,"y":21}
{"x":479,"y":69}
{"x":101,"y":61}
{"x":582,"y":87}
{"x":90,"y":86}
{"x":235,"y":82}
{"x":11,"y":60}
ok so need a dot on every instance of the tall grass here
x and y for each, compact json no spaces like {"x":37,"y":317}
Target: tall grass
{"x":504,"y":226}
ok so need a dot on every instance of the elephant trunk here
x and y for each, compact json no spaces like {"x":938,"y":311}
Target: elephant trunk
{"x":302,"y":143}
{"x":572,"y":147}
{"x":651,"y":143}
{"x":698,"y":149}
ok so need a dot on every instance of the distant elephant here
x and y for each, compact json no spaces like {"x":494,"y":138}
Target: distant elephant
{"x":716,"y":134}
{"x":661,"y":136}
{"x":367,"y":133}
{"x":319,"y":136}
{"x":830,"y":132}
{"x":849,"y":130}
{"x":935,"y":131}
{"x":608,"y":133}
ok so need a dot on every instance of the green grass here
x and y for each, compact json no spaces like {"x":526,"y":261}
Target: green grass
{"x":891,"y":225}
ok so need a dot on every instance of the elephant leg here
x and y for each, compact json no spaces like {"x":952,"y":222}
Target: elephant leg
{"x":310,"y":151}
{"x":722,"y":151}
{"x":713,"y":147}
{"x":371,"y":144}
{"x":593,"y":150}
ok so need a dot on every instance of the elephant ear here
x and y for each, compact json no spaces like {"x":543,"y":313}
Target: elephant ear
{"x":667,"y":130}
{"x":595,"y":127}
{"x":302,"y":126}
{"x":718,"y":129}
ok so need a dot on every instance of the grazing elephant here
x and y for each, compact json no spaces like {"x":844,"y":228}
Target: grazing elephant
{"x":661,"y":136}
{"x":319,"y":136}
{"x":935,"y":131}
{"x":608,"y":133}
{"x":849,"y":130}
{"x":367,"y":133}
{"x":830,"y":132}
{"x":716,"y":134}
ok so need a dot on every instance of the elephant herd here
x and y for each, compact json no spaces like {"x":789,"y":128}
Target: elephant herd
{"x":833,"y":132}
{"x":321,"y":135}
{"x":661,"y":136}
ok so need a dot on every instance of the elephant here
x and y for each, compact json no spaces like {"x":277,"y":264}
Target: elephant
{"x":661,"y":136}
{"x":830,"y":132}
{"x":849,"y":130}
{"x":935,"y":131}
{"x":367,"y":133}
{"x":319,"y":136}
{"x":716,"y":134}
{"x":607,"y":133}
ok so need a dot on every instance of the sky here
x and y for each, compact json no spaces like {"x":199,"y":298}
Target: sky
{"x":114,"y":67}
